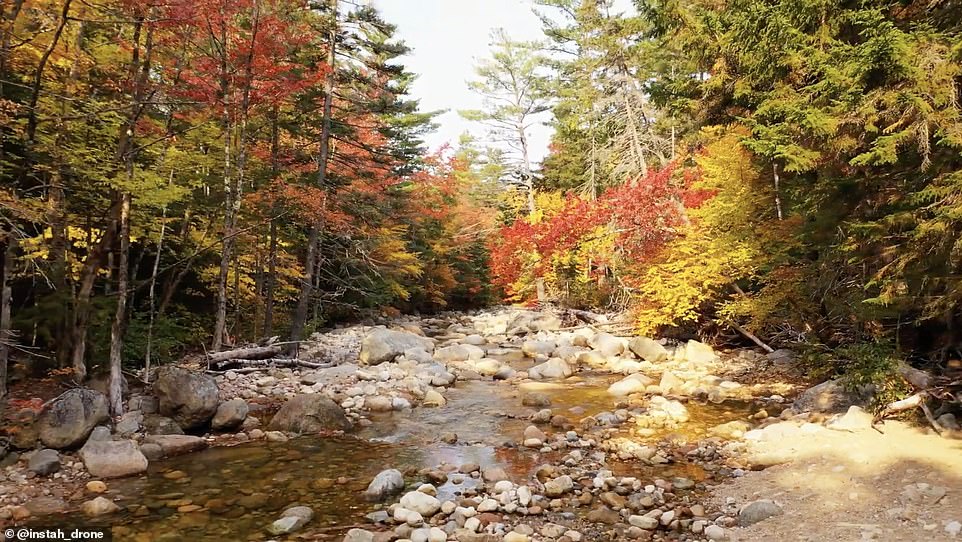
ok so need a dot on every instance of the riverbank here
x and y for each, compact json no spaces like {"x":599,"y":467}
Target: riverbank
{"x":499,"y":425}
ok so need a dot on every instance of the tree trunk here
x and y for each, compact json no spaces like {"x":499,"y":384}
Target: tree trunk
{"x":271,"y":279}
{"x":6,"y":300}
{"x":151,"y":294}
{"x":88,"y":276}
{"x":234,"y":189}
{"x":314,"y":236}
{"x":778,"y":195}
{"x":115,"y":386}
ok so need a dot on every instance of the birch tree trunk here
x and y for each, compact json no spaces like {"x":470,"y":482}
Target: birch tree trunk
{"x":314,"y":236}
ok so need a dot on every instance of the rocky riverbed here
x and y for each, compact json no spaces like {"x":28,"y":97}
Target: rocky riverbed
{"x":502,"y":425}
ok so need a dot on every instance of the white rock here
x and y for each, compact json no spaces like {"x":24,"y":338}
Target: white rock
{"x":714,"y":532}
{"x":488,"y":505}
{"x":422,"y":503}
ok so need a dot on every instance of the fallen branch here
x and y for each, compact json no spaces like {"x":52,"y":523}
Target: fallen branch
{"x":752,"y":337}
{"x":252,"y":365}
{"x":916,"y":400}
{"x":252,"y":352}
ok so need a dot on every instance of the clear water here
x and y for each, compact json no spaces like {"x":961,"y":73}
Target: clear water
{"x":240,"y":490}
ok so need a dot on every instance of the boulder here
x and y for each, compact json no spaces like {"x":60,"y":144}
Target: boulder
{"x":635,"y":383}
{"x":593,"y":360}
{"x":359,"y":535}
{"x":172,"y":445}
{"x":670,"y":383}
{"x":532,"y":322}
{"x":129,"y":423}
{"x":383,"y":345}
{"x":699,"y":353}
{"x":534,"y":349}
{"x":68,"y":420}
{"x":385,"y":484}
{"x":112,"y":458}
{"x":310,"y":413}
{"x":647,"y":349}
{"x":99,"y":507}
{"x":161,"y":425}
{"x":831,"y":396}
{"x":536,"y":399}
{"x":422,"y":503}
{"x":458,"y":352}
{"x":230,"y":414}
{"x":553,"y":368}
{"x":607,"y":345}
{"x":756,"y":511}
{"x":558,"y":486}
{"x":189,"y":398}
{"x":854,"y":420}
{"x":44,"y":462}
{"x":487,"y":366}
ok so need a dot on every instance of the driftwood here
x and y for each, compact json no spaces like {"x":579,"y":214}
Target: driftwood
{"x":927,"y":386}
{"x":751,"y":336}
{"x":588,"y":317}
{"x":253,"y":365}
{"x":252,"y":352}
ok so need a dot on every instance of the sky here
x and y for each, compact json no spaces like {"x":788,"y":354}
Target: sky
{"x":448,"y":37}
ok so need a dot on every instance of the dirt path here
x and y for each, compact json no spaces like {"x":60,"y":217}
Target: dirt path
{"x":903,"y":485}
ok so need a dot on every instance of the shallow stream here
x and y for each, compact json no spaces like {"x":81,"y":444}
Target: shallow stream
{"x":233,"y":493}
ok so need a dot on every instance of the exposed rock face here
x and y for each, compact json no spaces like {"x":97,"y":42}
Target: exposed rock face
{"x":230,"y":414}
{"x":310,"y":413}
{"x":189,"y":398}
{"x":69,"y":419}
{"x":830,"y":397}
{"x":382,"y":345}
{"x":112,"y":458}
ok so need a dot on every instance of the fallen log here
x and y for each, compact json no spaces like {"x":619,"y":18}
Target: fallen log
{"x":252,"y":365}
{"x":919,"y":379}
{"x":251,"y":352}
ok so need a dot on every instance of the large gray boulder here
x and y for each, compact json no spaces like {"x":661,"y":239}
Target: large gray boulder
{"x":44,"y":462}
{"x":69,"y":419}
{"x":832,"y":397}
{"x":112,"y":458}
{"x":187,"y":397}
{"x":310,"y":413}
{"x":230,"y":414}
{"x":383,"y":345}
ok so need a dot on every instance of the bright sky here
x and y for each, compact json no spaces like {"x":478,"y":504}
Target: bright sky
{"x":448,"y":36}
